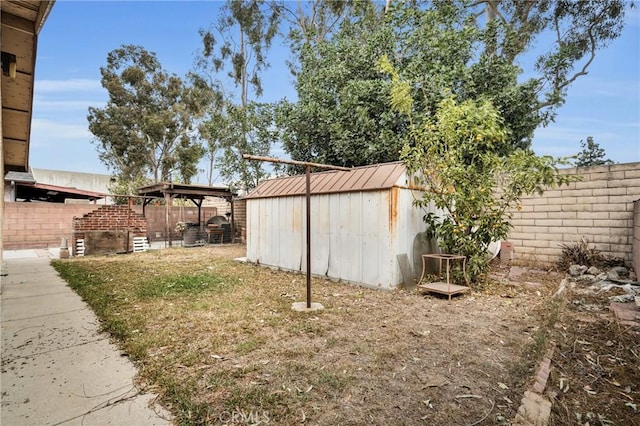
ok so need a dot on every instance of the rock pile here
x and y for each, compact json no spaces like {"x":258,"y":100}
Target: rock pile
{"x":597,"y":280}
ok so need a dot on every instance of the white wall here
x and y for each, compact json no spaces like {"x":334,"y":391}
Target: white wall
{"x":85,"y":181}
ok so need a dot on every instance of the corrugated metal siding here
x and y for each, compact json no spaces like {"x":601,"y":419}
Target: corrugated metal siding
{"x":354,"y":236}
{"x":350,"y":238}
{"x":409,"y":224}
{"x":368,"y":178}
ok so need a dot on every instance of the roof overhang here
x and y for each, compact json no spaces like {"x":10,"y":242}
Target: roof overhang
{"x":53,"y":193}
{"x":21,"y":21}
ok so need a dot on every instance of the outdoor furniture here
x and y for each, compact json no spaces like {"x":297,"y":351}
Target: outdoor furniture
{"x":445,"y":288}
{"x":215,"y":233}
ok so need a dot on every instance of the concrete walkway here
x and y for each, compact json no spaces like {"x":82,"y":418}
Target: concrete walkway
{"x":57,"y":368}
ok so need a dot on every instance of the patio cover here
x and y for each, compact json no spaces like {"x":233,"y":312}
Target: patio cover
{"x":195,"y":193}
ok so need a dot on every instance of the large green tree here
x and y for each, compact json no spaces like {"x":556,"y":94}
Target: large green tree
{"x":146,"y":128}
{"x":234,"y":51}
{"x":341,"y":116}
{"x":473,"y":49}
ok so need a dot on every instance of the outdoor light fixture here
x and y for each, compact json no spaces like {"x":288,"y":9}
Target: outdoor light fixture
{"x":9,"y":65}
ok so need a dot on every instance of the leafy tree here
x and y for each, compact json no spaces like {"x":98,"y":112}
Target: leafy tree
{"x":341,"y":116}
{"x":125,"y":186}
{"x":257,"y":138}
{"x":145,"y":128}
{"x":237,"y":44}
{"x":591,"y":154}
{"x":455,"y":156}
{"x":471,"y":49}
{"x":315,"y":21}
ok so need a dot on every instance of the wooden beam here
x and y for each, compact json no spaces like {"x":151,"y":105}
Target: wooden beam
{"x":11,"y":20}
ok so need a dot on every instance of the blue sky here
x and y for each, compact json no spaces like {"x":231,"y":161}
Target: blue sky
{"x":77,"y":36}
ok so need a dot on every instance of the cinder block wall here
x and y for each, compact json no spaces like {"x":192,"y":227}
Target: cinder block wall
{"x":636,"y":236}
{"x":43,"y":225}
{"x":598,"y":209}
{"x":39,"y":225}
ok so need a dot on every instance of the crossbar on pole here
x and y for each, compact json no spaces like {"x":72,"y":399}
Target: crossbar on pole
{"x":308,"y":166}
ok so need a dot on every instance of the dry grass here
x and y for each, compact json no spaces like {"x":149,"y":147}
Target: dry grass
{"x":216,"y":337}
{"x":596,"y":375}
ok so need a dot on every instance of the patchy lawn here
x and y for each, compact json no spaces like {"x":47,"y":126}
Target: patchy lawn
{"x":217,"y":339}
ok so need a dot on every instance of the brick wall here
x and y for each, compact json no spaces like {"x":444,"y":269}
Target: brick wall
{"x":39,"y":225}
{"x":110,"y":218}
{"x":598,"y":209}
{"x":108,"y":229}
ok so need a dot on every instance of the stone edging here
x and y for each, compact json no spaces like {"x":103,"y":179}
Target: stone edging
{"x":534,"y":408}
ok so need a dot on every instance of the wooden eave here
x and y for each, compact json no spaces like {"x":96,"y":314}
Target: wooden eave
{"x":178,"y":190}
{"x":21,"y":21}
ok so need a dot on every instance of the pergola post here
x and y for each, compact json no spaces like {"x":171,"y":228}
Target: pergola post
{"x":167,"y":231}
{"x":233,"y":221}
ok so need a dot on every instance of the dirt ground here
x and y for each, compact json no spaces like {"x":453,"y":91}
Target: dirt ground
{"x":370,"y":357}
{"x":595,"y":377}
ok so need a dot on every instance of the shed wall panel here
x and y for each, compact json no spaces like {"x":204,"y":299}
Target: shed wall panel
{"x":375,"y":239}
{"x":410,"y":224}
{"x":355,"y":236}
{"x":253,"y":230}
{"x":320,"y":231}
{"x":297,"y":237}
{"x":353,"y":260}
{"x":337,"y":237}
{"x":268,"y":229}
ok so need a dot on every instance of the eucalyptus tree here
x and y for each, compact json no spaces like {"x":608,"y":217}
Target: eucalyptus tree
{"x":234,"y":52}
{"x":146,"y":128}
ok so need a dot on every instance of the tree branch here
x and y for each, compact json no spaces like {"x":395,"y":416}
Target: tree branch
{"x":557,"y":87}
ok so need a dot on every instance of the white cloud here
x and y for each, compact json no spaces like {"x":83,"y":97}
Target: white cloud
{"x":599,"y":87}
{"x":44,"y":130}
{"x":71,"y":85}
{"x":42,"y":105}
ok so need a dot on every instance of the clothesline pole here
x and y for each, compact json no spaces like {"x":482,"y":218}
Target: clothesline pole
{"x":308,"y":166}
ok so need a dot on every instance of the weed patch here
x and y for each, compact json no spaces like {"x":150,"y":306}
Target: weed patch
{"x":185,"y":285}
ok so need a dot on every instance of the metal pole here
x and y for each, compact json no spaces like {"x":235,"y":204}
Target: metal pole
{"x":299,"y":163}
{"x":308,"y":166}
{"x":308,"y":173}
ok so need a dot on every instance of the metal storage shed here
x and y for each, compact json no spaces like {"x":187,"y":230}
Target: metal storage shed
{"x":360,"y":220}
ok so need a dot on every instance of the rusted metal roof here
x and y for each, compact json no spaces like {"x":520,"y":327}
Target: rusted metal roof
{"x":366,"y":178}
{"x":53,"y":193}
